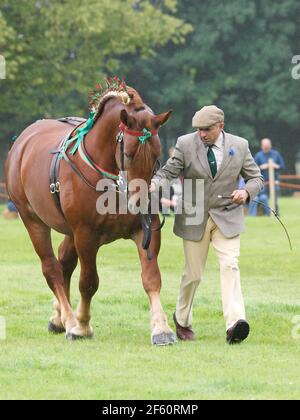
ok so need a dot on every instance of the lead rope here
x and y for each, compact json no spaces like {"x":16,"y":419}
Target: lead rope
{"x":147,"y":220}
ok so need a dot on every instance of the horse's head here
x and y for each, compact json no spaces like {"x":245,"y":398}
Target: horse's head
{"x":139,"y":145}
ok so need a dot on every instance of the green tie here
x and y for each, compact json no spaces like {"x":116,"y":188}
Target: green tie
{"x":212,"y":161}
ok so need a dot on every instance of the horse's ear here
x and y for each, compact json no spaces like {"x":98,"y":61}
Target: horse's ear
{"x":127,"y":119}
{"x":162,"y":119}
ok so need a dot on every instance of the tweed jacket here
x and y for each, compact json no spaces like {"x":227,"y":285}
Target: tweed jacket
{"x":190,"y":160}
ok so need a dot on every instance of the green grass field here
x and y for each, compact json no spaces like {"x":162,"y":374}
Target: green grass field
{"x":120,"y":363}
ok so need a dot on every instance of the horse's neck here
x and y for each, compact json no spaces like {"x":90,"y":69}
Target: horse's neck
{"x":101,"y":140}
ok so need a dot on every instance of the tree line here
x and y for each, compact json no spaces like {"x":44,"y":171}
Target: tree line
{"x":178,"y":54}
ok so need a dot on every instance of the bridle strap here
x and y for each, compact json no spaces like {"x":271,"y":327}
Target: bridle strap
{"x":134,"y":133}
{"x":97,"y":168}
{"x":122,"y":156}
{"x":76,"y":170}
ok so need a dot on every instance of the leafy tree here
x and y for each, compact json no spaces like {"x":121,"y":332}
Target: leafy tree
{"x":56,"y":50}
{"x":238,"y":57}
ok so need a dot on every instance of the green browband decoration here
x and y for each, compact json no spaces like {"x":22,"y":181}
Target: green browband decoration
{"x":82,"y":131}
{"x":147,"y":135}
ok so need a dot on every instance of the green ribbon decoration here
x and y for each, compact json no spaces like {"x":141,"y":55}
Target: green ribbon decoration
{"x":81,"y":133}
{"x":147,"y":135}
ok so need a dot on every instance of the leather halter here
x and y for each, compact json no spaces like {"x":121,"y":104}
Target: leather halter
{"x":142,"y":136}
{"x":134,"y":133}
{"x":146,"y":219}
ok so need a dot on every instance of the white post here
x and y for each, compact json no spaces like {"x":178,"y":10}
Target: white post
{"x":2,"y":67}
{"x":272,"y":190}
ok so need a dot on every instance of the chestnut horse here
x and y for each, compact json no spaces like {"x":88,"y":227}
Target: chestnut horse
{"x":117,"y":110}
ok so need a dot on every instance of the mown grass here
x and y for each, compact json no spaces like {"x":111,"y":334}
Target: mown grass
{"x":120,"y":363}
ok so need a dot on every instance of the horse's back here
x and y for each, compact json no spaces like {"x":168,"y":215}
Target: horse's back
{"x":28,"y":170}
{"x":39,"y":135}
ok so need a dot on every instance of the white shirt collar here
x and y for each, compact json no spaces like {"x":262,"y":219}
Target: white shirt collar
{"x":219,"y":141}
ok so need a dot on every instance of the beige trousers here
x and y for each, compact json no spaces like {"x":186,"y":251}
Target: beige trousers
{"x":228,"y":252}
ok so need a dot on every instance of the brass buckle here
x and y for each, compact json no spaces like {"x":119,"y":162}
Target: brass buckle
{"x":55,"y":188}
{"x":120,"y":137}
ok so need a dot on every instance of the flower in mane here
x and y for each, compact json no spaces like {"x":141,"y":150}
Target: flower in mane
{"x":113,"y":87}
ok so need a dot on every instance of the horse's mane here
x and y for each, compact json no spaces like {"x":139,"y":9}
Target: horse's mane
{"x":115,"y":88}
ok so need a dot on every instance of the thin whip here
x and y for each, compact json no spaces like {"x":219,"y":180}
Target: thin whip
{"x":273,"y":211}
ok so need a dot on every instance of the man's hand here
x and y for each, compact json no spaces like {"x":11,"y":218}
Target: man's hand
{"x":152,"y":187}
{"x":266,"y":166}
{"x":240,"y":196}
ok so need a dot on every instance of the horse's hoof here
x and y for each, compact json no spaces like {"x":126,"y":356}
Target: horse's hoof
{"x":54,"y":329}
{"x":74,"y":337}
{"x":164,"y":339}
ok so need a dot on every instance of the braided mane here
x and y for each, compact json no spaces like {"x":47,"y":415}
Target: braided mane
{"x":115,"y":88}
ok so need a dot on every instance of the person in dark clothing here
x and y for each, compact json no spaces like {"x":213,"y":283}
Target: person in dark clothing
{"x":262,"y":160}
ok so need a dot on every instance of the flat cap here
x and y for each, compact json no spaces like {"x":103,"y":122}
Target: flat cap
{"x":208,"y":116}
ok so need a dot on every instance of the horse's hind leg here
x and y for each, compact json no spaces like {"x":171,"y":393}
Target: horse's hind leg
{"x":52,"y":270}
{"x":161,"y":333}
{"x":86,"y":242}
{"x":68,"y":259}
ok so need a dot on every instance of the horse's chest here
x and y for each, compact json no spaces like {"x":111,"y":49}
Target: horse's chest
{"x":113,"y":228}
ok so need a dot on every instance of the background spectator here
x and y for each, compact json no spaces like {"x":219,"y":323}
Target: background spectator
{"x":262,"y":160}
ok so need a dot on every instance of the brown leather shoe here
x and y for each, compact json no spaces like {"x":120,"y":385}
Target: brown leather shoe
{"x":184,"y":333}
{"x":238,"y":333}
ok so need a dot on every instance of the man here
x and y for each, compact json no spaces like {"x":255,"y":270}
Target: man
{"x":219,"y":159}
{"x":262,"y":160}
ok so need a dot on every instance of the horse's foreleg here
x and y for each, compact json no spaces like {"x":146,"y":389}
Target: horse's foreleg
{"x":87,"y":247}
{"x":161,"y":333}
{"x":68,"y":259}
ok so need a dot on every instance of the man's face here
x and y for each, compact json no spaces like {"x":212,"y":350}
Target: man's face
{"x":209,"y":135}
{"x":266,"y":145}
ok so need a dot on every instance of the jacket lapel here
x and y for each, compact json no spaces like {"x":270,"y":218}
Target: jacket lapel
{"x":202,"y":155}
